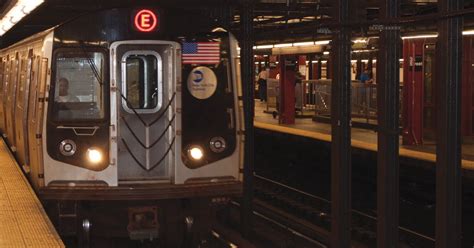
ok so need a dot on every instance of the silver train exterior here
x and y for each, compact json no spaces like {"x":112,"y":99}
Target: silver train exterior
{"x":133,"y":121}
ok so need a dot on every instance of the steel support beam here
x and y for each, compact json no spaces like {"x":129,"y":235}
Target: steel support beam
{"x":246,"y":58}
{"x":388,"y":128}
{"x":341,"y":130}
{"x":448,"y":145}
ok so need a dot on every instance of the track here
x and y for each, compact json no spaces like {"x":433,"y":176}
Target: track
{"x":310,"y":214}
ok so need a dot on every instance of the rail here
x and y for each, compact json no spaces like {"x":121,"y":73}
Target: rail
{"x":316,"y":96}
{"x":313,"y":97}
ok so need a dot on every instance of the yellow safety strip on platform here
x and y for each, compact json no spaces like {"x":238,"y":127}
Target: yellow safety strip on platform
{"x":23,"y":221}
{"x":404,"y":152}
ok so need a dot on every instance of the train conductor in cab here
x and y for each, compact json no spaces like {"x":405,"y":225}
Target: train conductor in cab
{"x":63,"y":94}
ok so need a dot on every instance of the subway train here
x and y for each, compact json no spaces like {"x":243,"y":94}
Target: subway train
{"x":126,"y":121}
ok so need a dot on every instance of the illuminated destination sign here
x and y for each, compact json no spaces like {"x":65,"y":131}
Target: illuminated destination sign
{"x":146,"y":21}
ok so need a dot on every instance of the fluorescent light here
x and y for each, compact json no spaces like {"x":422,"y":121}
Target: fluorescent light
{"x":326,"y":53}
{"x":309,"y":43}
{"x":353,"y":61}
{"x":283,"y":45}
{"x":360,"y":41}
{"x":16,"y":13}
{"x":420,"y":36}
{"x":324,"y":61}
{"x":400,"y":60}
{"x":265,"y":47}
{"x":468,"y":32}
{"x":314,"y":61}
{"x":362,"y":51}
{"x":322,"y":42}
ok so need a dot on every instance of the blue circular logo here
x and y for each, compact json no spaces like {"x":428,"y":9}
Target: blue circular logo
{"x":198,"y":76}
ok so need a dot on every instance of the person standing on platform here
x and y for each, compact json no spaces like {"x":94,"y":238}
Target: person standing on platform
{"x":262,"y":84}
{"x":365,"y":79}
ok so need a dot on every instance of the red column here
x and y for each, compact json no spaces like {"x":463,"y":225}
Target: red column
{"x":274,"y":69}
{"x":412,"y":93}
{"x":287,"y":90}
{"x":314,"y":67}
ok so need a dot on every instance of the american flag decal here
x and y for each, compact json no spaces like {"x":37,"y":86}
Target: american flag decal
{"x":201,"y":53}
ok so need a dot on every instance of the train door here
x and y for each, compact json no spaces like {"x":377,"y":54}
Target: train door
{"x":143,"y":74}
{"x":6,"y":85}
{"x":429,"y":100}
{"x":11,"y":99}
{"x":21,"y":111}
{"x":2,"y":96}
{"x":35,"y":113}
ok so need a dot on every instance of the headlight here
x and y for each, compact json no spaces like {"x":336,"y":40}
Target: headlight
{"x":94,"y":155}
{"x":196,"y":153}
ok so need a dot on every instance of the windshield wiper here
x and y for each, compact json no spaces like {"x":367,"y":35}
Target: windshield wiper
{"x":91,"y":64}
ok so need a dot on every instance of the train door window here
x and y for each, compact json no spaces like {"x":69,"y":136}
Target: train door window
{"x":78,"y":92}
{"x":22,"y":83}
{"x":142,"y":81}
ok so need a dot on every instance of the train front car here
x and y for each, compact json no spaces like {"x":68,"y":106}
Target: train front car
{"x":143,"y":118}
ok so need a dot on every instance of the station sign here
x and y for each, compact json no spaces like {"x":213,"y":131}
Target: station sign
{"x":146,"y":20}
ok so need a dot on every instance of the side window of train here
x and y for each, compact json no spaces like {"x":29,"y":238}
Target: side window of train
{"x":142,"y":81}
{"x":77,"y":85}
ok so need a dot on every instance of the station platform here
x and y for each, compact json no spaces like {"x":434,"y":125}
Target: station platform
{"x":361,"y":138}
{"x":24,"y":222}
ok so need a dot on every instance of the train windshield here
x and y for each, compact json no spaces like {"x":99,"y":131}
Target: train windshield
{"x":78,"y":94}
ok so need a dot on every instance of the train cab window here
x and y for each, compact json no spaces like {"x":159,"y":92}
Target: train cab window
{"x":78,"y":91}
{"x":142,"y":81}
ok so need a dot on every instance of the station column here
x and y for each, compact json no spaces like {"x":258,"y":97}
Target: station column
{"x":287,"y":89}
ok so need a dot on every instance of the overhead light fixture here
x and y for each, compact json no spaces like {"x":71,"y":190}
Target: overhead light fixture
{"x":21,"y":9}
{"x":360,"y":41}
{"x":326,"y":53}
{"x":322,"y":42}
{"x":423,"y":36}
{"x":264,"y":47}
{"x":283,"y":45}
{"x":468,"y":32}
{"x":309,"y":43}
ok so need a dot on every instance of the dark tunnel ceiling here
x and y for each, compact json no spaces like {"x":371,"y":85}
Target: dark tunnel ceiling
{"x":274,"y":20}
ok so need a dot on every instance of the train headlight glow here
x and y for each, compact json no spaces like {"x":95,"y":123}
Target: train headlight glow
{"x":94,"y":155}
{"x":196,"y":153}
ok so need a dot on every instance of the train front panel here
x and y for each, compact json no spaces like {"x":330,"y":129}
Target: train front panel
{"x":143,"y":111}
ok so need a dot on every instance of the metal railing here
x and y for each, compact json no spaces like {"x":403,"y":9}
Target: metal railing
{"x":316,"y":96}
